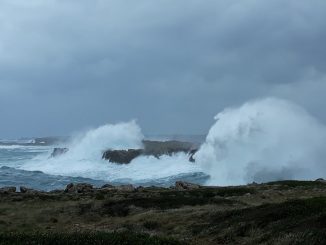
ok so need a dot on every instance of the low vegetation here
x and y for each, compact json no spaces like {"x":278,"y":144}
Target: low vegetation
{"x":85,"y":239}
{"x":283,"y":212}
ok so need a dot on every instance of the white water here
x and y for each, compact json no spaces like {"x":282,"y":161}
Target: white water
{"x":264,"y":140}
{"x":84,"y":158}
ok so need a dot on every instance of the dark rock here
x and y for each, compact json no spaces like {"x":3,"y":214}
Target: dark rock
{"x":180,"y":186}
{"x":59,"y":151}
{"x":125,"y":188}
{"x":320,"y":180}
{"x":151,"y":148}
{"x":79,"y":188}
{"x":107,"y":186}
{"x":160,"y":148}
{"x":192,"y":154}
{"x":24,"y":189}
{"x":7,"y":190}
{"x":69,"y":187}
{"x":122,"y":156}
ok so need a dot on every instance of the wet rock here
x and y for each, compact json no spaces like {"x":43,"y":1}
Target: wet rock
{"x":24,"y":189}
{"x":121,"y":156}
{"x":125,"y":188}
{"x":59,"y":151}
{"x":107,"y":186}
{"x":79,"y":188}
{"x":151,"y":148}
{"x":180,"y":185}
{"x":7,"y":190}
{"x":160,"y":148}
{"x":192,"y":155}
{"x":321,"y":180}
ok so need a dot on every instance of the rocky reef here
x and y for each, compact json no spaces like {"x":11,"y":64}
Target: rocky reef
{"x":122,"y":156}
{"x":151,"y":148}
{"x":58,"y":152}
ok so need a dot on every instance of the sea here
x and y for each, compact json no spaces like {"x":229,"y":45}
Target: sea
{"x":29,"y":164}
{"x":262,"y":140}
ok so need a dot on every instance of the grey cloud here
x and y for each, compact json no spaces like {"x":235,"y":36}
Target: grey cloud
{"x":173,"y":65}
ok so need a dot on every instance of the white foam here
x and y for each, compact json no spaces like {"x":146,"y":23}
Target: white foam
{"x":24,"y":147}
{"x":264,"y":140}
{"x":10,"y":147}
{"x":84,"y":158}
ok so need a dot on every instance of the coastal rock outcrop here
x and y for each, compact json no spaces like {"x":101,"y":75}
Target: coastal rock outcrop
{"x":123,"y":188}
{"x":79,"y":188}
{"x":160,"y":148}
{"x":24,"y":189}
{"x":320,"y":180}
{"x":181,"y":185}
{"x":122,"y":156}
{"x":151,"y":148}
{"x":59,"y":151}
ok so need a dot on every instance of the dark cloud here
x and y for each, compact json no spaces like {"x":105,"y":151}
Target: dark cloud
{"x":66,"y":65}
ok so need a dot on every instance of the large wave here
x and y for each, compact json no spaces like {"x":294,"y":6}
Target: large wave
{"x":264,"y":140}
{"x":84,"y":158}
{"x":91,"y":144}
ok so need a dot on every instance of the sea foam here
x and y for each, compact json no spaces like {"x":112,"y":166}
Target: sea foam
{"x":263,"y":140}
{"x":84,"y":158}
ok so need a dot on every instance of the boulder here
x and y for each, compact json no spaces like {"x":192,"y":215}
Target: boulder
{"x":125,"y":188}
{"x":181,"y":186}
{"x":79,"y":188}
{"x":107,"y":186}
{"x":24,"y":189}
{"x":7,"y":190}
{"x":321,"y":180}
{"x":192,"y":155}
{"x":59,"y":151}
{"x":121,"y":156}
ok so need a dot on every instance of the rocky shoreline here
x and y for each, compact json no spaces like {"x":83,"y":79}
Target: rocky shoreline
{"x":152,"y":148}
{"x":282,"y":212}
{"x":156,"y":149}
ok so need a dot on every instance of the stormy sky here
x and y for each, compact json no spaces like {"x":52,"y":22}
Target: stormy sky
{"x":67,"y":65}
